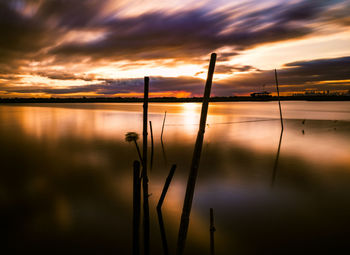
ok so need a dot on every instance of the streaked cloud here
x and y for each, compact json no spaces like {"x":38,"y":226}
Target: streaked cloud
{"x":106,"y":47}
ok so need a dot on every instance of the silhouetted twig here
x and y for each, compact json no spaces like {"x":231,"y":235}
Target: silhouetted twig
{"x":159,"y":210}
{"x":146,"y":223}
{"x":186,"y":211}
{"x":279,"y":101}
{"x":274,"y":174}
{"x":161,"y":135}
{"x":136,"y":209}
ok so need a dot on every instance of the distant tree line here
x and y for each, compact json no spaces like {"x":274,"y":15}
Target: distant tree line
{"x":174,"y":99}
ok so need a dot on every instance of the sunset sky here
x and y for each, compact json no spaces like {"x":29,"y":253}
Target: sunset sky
{"x":73,"y":48}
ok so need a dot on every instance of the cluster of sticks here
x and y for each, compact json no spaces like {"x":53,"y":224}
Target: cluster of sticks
{"x":191,"y":182}
{"x":142,"y":178}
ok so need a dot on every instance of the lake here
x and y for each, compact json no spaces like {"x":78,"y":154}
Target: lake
{"x":66,"y":177}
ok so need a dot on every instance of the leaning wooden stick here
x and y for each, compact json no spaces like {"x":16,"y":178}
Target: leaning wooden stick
{"x":186,"y":211}
{"x":159,"y":210}
{"x":166,"y":186}
{"x":212,"y":230}
{"x":146,"y":224}
{"x":136,"y":209}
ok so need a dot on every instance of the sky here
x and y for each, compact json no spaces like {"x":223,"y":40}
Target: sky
{"x":94,"y":48}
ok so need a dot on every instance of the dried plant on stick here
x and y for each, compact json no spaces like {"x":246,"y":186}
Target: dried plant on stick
{"x":133,"y":137}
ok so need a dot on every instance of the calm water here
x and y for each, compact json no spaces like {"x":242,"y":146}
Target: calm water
{"x":66,"y":177}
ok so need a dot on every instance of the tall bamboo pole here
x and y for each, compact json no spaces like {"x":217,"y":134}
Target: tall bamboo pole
{"x":186,"y":210}
{"x":146,"y":224}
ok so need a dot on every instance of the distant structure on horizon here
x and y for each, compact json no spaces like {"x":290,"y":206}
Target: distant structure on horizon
{"x":315,"y":92}
{"x":261,"y":94}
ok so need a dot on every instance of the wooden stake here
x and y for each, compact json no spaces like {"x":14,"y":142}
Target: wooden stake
{"x":146,"y":223}
{"x":186,"y":211}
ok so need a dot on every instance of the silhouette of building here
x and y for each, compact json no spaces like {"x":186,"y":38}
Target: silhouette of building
{"x":261,"y":94}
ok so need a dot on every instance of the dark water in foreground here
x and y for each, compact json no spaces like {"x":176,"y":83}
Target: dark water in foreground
{"x":66,"y":177}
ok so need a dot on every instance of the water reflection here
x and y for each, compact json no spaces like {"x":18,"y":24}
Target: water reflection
{"x":274,"y":172}
{"x":66,"y":176}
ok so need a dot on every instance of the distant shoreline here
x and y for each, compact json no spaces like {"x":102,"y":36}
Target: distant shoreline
{"x":172,"y":99}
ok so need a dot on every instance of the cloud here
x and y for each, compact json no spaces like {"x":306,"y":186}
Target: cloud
{"x":58,"y":75}
{"x":194,"y":86}
{"x":182,"y":34}
{"x":193,"y":33}
{"x":225,"y":56}
{"x":317,"y":70}
{"x":292,"y":77}
{"x":88,"y":34}
{"x":229,"y":69}
{"x":319,"y":74}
